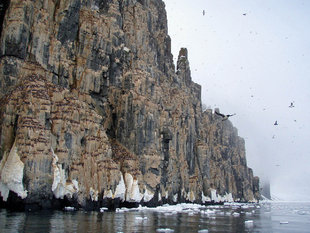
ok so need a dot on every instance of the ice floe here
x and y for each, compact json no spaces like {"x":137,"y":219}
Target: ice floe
{"x":164,"y":230}
{"x":102,"y":209}
{"x":249,"y":223}
{"x":141,"y":218}
{"x":203,"y":231}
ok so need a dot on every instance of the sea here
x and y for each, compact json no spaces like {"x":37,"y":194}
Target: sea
{"x":231,"y":217}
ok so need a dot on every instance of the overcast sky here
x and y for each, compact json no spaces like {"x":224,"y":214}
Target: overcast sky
{"x":252,"y":58}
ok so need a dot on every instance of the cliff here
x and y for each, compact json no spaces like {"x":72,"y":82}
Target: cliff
{"x":93,"y":113}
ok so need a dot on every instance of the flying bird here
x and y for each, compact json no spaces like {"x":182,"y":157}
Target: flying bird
{"x":225,"y":117}
{"x":203,"y":12}
{"x":292,"y":105}
{"x":244,"y":14}
{"x":276,"y":123}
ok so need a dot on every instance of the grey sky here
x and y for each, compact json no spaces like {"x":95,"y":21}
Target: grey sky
{"x":252,"y":58}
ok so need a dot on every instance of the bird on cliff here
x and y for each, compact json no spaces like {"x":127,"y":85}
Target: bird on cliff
{"x":225,"y":117}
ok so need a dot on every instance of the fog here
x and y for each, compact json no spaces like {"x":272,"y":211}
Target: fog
{"x":252,"y":58}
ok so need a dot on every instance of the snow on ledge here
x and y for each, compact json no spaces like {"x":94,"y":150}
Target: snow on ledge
{"x":148,"y":195}
{"x":93,"y":194}
{"x":61,"y":187}
{"x":128,"y":190}
{"x":132,"y":193}
{"x":11,"y":175}
{"x":120,"y":189}
{"x":218,"y":198}
{"x":204,"y":198}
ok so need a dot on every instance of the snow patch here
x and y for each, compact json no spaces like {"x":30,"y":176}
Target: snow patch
{"x":191,"y":196}
{"x":204,"y":198}
{"x":218,"y":198}
{"x":132,"y":193}
{"x":11,"y":175}
{"x":120,"y":189}
{"x":166,"y":194}
{"x":108,"y":194}
{"x":175,"y":198}
{"x":93,"y":194}
{"x":61,"y":187}
{"x":148,"y":195}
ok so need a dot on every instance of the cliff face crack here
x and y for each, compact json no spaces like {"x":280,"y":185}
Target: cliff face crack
{"x":3,"y":7}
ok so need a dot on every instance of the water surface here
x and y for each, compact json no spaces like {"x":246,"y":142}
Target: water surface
{"x":266,"y":217}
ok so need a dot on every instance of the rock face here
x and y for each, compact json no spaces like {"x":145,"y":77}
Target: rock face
{"x":93,"y":113}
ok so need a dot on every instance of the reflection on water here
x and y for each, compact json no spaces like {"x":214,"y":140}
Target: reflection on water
{"x":267,"y":217}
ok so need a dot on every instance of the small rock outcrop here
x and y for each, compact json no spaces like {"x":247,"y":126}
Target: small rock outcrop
{"x":93,"y":113}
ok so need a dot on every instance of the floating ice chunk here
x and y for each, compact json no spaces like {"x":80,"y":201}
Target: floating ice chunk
{"x":249,"y":223}
{"x":69,"y":208}
{"x":303,"y":212}
{"x":208,"y":212}
{"x":102,"y":209}
{"x":235,"y":214}
{"x":203,"y":231}
{"x":283,"y":222}
{"x":141,"y":218}
{"x":122,"y":210}
{"x":164,"y":230}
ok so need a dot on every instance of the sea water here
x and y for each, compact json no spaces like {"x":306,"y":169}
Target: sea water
{"x":263,"y":217}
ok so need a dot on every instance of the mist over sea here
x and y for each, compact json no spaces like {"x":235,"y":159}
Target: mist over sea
{"x":263,"y":217}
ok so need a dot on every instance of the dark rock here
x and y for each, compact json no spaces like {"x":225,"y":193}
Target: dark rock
{"x":69,"y":26}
